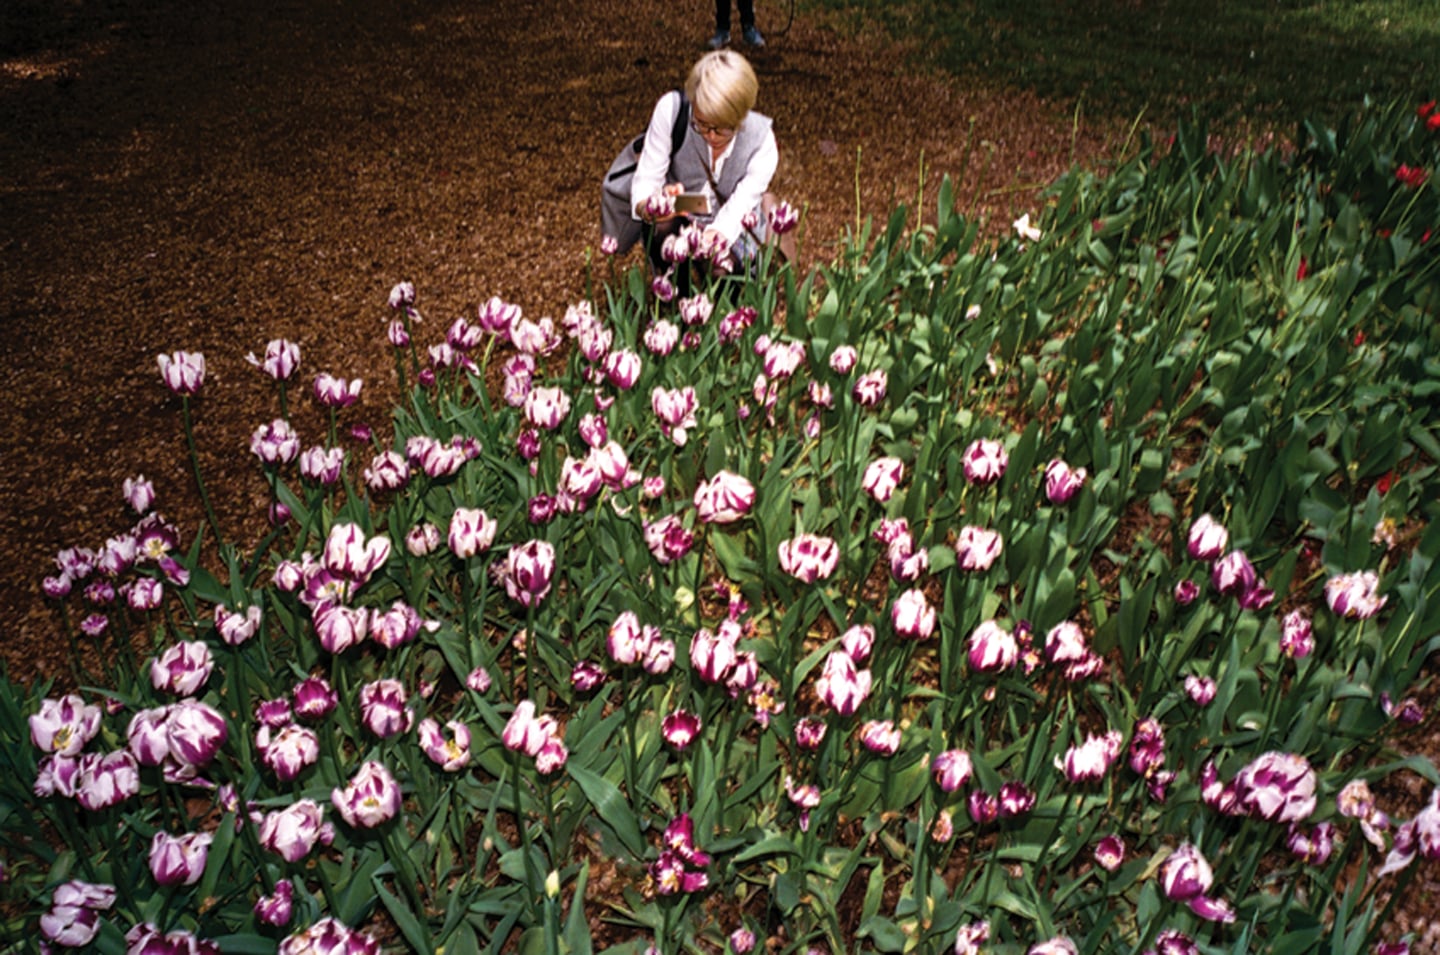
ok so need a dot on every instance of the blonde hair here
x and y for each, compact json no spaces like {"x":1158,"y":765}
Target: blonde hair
{"x":722,"y":87}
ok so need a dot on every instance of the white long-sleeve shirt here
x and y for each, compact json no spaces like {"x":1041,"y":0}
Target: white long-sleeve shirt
{"x":652,"y":172}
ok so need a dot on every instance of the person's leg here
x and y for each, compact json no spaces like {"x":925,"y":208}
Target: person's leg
{"x":747,"y":23}
{"x":722,"y":16}
{"x":747,"y":13}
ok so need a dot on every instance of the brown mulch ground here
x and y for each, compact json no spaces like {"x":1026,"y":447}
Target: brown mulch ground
{"x":208,"y":176}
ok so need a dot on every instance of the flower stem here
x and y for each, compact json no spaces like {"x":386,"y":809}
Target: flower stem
{"x":195,"y":465}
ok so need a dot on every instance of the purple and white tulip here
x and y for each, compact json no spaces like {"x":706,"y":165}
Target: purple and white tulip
{"x":370,"y":799}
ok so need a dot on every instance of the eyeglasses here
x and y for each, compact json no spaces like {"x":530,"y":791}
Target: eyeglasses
{"x":706,"y":129}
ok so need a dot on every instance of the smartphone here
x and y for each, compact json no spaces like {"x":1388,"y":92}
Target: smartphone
{"x":693,"y":203}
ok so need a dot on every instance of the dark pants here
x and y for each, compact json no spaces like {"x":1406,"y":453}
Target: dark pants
{"x":722,"y":14}
{"x":654,"y":236}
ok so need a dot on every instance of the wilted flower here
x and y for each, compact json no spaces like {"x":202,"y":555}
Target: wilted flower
{"x":977,"y":547}
{"x":179,"y":860}
{"x":1185,"y":876}
{"x":183,"y":372}
{"x":1408,"y":712}
{"x":942,"y":829}
{"x":370,"y":799}
{"x":1355,"y":596}
{"x":1147,"y":747}
{"x":724,"y":499}
{"x":809,"y":557}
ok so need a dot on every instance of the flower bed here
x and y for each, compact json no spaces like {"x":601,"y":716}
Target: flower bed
{"x":1059,"y":592}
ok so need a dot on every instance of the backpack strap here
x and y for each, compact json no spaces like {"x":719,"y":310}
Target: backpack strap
{"x":682,"y":120}
{"x":677,"y":139}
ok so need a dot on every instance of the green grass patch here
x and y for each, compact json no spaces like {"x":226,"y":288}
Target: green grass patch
{"x":1222,"y":61}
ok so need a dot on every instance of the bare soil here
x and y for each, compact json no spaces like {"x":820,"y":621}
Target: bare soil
{"x":208,"y":176}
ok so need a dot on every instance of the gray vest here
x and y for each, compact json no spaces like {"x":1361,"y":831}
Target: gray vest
{"x":693,"y":160}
